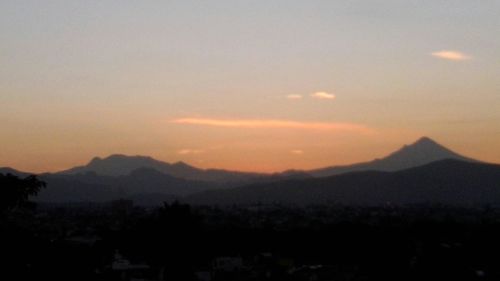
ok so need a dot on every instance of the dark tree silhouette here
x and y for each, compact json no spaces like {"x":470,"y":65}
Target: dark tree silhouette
{"x":15,"y":191}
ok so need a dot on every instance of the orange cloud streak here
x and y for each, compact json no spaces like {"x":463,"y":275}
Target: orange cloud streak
{"x":451,"y":55}
{"x":323,"y":95}
{"x":274,"y":124}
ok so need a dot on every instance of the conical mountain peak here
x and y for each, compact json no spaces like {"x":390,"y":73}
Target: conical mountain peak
{"x":421,"y":152}
{"x":425,"y":144}
{"x":425,"y":141}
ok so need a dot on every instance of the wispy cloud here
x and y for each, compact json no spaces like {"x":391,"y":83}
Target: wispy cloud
{"x":451,"y":55}
{"x":297,"y":152}
{"x":323,"y":95}
{"x":274,"y":124}
{"x":189,"y":151}
{"x":294,"y":97}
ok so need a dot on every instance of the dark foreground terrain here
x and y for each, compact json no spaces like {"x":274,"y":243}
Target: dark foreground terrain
{"x":119,"y":241}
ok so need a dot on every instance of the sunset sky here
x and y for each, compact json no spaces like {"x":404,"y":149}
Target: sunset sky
{"x":246,"y":85}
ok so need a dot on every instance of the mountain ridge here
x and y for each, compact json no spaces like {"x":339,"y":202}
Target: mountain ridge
{"x":423,"y":171}
{"x":447,"y":182}
{"x":121,"y":165}
{"x":421,"y":152}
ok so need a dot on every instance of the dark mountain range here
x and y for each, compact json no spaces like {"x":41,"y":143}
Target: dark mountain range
{"x":121,"y":165}
{"x":146,"y":186}
{"x":142,"y":182}
{"x":7,"y":170}
{"x":449,"y":182}
{"x":423,"y":151}
{"x":150,"y":180}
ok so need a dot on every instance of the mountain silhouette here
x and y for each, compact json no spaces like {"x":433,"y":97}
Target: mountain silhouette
{"x":151,"y":181}
{"x":121,"y":165}
{"x":423,"y":151}
{"x":139,"y":183}
{"x":447,"y":182}
{"x":146,"y":186}
{"x":7,"y":170}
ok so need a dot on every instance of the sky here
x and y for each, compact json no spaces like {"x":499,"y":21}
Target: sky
{"x":246,"y":85}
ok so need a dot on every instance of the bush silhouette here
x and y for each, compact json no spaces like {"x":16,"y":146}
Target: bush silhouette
{"x":15,"y":191}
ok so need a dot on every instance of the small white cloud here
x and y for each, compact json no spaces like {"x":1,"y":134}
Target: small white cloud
{"x":451,"y":55}
{"x":294,"y":97}
{"x":189,"y":151}
{"x":297,"y":152}
{"x":323,"y":95}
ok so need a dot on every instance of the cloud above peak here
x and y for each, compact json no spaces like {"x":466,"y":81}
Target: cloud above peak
{"x":315,"y":95}
{"x":274,"y":124}
{"x":294,"y":97}
{"x":323,"y":95}
{"x":189,"y":151}
{"x":451,"y":55}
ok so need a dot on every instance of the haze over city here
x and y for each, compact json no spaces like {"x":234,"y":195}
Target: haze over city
{"x":252,"y":86}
